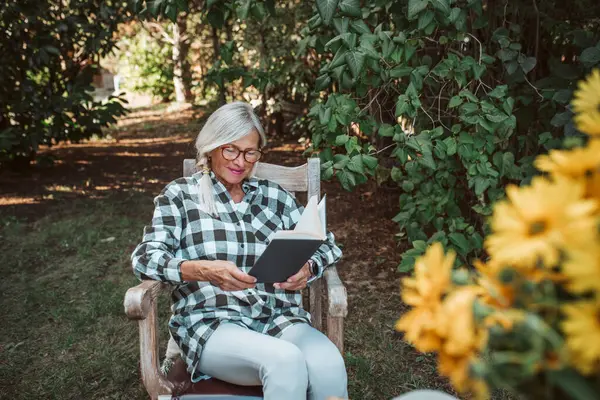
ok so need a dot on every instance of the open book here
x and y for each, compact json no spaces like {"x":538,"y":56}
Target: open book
{"x":288,"y":251}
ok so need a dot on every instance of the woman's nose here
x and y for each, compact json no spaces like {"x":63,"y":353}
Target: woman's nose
{"x":240,"y":162}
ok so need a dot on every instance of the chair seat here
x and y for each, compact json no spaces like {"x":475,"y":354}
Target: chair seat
{"x":179,"y":376}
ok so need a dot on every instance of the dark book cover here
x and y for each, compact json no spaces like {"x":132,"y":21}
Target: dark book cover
{"x":283,"y":258}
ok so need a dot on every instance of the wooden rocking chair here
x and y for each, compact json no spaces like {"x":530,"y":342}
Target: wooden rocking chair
{"x":141,"y":302}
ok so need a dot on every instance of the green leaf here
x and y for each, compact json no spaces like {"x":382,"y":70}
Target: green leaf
{"x":408,"y":186}
{"x":460,"y":241}
{"x":590,"y":56}
{"x":450,"y":143}
{"x":322,"y":82}
{"x":356,"y":164}
{"x":243,"y":9}
{"x":341,"y":25}
{"x":351,"y":144}
{"x":386,"y":130}
{"x":563,"y":96}
{"x":341,"y":140}
{"x":481,"y":185}
{"x":442,"y":6}
{"x":467,"y":93}
{"x":415,"y":7}
{"x":455,"y":101}
{"x":324,"y":115}
{"x":498,"y":92}
{"x":508,"y":105}
{"x":511,"y":67}
{"x":407,"y":264}
{"x":327,"y":8}
{"x":355,"y":61}
{"x":561,"y":119}
{"x":465,"y":138}
{"x":454,"y":14}
{"x":408,"y":52}
{"x":347,"y":179}
{"x":340,"y":161}
{"x":359,"y":26}
{"x":351,"y":8}
{"x":216,"y":18}
{"x":339,"y":58}
{"x":400,"y":71}
{"x":425,"y":19}
{"x":528,"y":64}
{"x":369,"y":161}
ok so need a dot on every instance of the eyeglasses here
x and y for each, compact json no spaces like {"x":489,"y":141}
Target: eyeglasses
{"x":231,"y":153}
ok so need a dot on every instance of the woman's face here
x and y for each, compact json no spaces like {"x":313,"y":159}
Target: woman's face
{"x":235,"y":171}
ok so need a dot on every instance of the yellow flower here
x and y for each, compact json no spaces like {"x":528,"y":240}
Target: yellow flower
{"x":418,"y":325}
{"x":424,"y":293}
{"x":538,"y":221}
{"x":582,"y":331}
{"x":495,"y":293}
{"x":576,"y":163}
{"x":582,"y":269}
{"x":431,"y":277}
{"x":456,"y":323}
{"x":586,"y":105}
{"x":456,"y":368}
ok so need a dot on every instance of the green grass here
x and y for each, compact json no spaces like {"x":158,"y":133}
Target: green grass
{"x":64,"y":334}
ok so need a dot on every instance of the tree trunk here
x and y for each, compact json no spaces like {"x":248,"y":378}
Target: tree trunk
{"x":217,"y":51}
{"x":181,"y":67}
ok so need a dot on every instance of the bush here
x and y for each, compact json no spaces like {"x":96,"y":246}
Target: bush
{"x":446,"y":99}
{"x":49,"y":61}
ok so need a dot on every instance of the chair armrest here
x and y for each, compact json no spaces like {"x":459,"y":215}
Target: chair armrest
{"x":336,"y":293}
{"x":138,"y":299}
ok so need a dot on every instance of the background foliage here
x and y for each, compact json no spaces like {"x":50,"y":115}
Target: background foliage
{"x":51,"y":54}
{"x":455,"y":92}
{"x":441,"y":100}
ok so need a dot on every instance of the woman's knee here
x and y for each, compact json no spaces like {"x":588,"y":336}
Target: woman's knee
{"x":285,"y":361}
{"x":327,"y":366}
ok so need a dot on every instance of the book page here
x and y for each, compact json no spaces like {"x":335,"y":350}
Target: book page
{"x":310,"y":221}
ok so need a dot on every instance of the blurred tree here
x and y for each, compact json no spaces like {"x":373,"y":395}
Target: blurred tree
{"x":51,"y":51}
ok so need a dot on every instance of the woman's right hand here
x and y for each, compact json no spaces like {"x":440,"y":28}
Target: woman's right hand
{"x":224,"y":274}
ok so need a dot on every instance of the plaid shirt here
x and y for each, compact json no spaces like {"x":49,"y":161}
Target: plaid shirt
{"x":181,"y":231}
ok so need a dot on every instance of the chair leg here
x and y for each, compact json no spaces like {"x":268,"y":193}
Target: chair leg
{"x":154,"y":380}
{"x":335,"y":332}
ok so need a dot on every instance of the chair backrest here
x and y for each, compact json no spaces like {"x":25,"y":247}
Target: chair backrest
{"x":304,"y":178}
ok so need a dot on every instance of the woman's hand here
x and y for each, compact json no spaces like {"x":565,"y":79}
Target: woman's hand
{"x":295,"y":282}
{"x":224,"y":274}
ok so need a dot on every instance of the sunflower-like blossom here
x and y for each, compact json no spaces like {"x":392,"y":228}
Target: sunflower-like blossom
{"x":539,"y":221}
{"x":586,"y":104}
{"x":424,"y":293}
{"x":582,"y":330}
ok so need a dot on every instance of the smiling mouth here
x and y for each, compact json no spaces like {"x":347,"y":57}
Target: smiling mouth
{"x":236,"y":171}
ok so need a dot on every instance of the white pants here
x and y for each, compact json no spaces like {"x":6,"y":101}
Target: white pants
{"x":301,"y":363}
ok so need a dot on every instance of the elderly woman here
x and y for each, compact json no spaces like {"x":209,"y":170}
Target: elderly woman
{"x":207,"y":231}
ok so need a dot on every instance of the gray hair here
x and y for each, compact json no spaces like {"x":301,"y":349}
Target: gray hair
{"x":227,"y":124}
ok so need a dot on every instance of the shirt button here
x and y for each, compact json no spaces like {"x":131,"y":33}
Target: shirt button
{"x":242,"y":246}
{"x":238,"y":224}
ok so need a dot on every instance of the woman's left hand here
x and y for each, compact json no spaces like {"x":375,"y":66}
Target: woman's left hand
{"x":295,"y":282}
